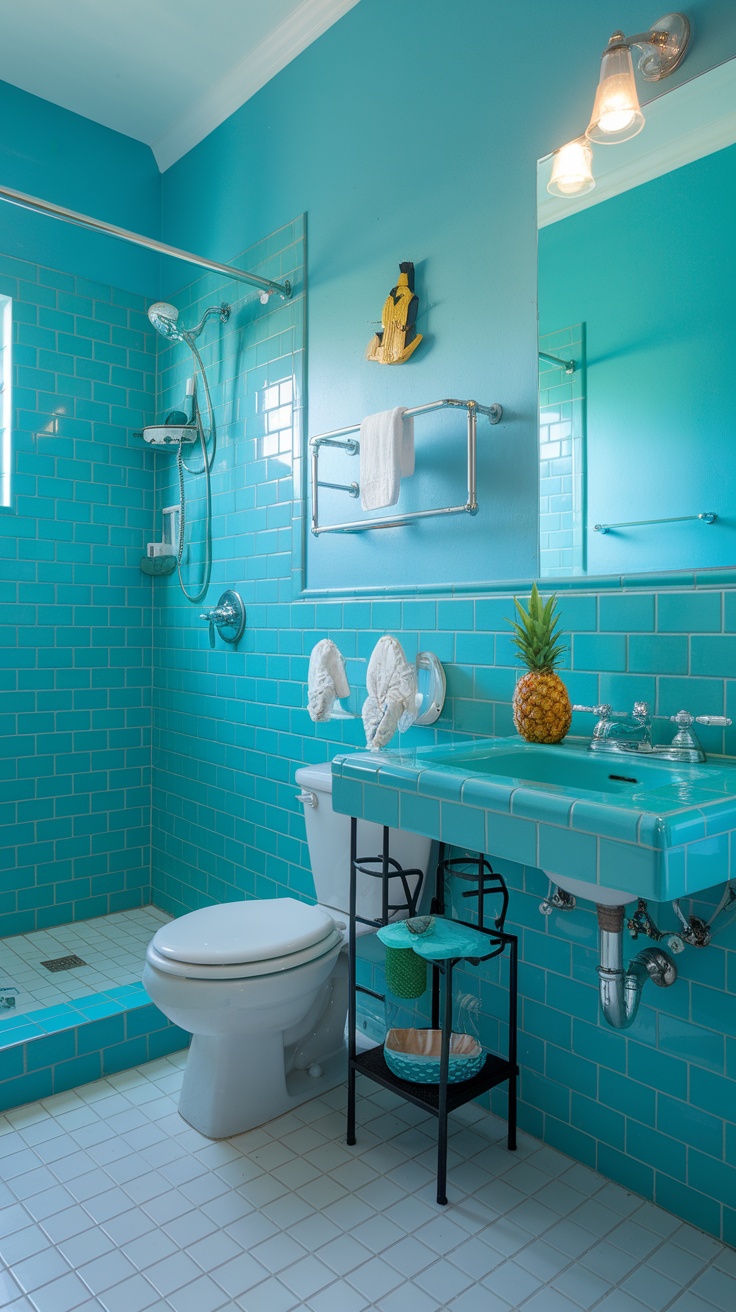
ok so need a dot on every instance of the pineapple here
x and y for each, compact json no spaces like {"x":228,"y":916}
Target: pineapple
{"x":542,"y":711}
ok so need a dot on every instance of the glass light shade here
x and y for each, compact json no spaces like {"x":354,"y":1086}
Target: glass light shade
{"x":616,"y":114}
{"x":572,"y":174}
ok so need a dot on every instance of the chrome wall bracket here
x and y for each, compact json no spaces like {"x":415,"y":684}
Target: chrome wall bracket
{"x":557,"y":899}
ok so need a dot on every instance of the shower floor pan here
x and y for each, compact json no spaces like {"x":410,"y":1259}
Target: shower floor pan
{"x":112,"y":949}
{"x":68,"y":1024}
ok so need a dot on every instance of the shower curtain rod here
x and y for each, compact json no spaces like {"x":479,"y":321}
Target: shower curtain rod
{"x":97,"y":225}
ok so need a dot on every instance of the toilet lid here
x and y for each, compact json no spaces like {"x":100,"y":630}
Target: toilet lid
{"x":234,"y":933}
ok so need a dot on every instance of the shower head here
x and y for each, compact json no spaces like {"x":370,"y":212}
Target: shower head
{"x":165,"y":317}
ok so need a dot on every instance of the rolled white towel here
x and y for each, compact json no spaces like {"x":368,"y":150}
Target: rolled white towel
{"x":326,"y":679}
{"x":391,"y":682}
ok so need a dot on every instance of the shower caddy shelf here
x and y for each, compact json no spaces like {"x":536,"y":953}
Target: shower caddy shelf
{"x":339,"y":438}
{"x":442,"y":1098}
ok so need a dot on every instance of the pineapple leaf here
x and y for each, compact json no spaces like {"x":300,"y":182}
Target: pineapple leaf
{"x":536,"y":632}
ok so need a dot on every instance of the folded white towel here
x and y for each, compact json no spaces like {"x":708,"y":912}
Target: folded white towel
{"x":386,"y":455}
{"x":391,"y":682}
{"x":326,"y":679}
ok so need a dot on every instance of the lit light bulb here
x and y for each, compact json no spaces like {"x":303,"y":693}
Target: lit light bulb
{"x":616,"y":113}
{"x":572,"y":173}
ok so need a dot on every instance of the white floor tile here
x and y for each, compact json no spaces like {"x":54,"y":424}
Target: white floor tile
{"x":111,"y":1203}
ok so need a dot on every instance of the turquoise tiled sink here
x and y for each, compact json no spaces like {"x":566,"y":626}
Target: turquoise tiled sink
{"x":645,"y":828}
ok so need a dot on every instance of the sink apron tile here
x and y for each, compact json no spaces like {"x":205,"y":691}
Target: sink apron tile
{"x":565,"y":852}
{"x":419,"y":815}
{"x":706,"y":863}
{"x":511,"y":838}
{"x":630,"y":867}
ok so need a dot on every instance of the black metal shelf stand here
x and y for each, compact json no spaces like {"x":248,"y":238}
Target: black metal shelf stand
{"x":442,"y":1098}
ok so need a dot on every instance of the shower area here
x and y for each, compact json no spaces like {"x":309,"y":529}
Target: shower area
{"x":140,"y":431}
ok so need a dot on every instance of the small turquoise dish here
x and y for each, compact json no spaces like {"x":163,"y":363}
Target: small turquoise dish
{"x":414,"y":1055}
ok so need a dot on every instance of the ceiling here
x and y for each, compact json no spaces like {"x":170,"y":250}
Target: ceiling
{"x":165,"y":72}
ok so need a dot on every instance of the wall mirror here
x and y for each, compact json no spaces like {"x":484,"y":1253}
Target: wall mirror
{"x":637,"y":341}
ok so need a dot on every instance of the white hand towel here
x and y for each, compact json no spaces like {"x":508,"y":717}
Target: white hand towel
{"x":326,"y":679}
{"x":391,"y":682}
{"x":386,"y":455}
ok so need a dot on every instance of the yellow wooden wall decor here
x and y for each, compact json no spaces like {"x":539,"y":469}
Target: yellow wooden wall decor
{"x":398,"y":339}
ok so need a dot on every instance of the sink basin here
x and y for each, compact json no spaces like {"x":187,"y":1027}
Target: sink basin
{"x":533,"y":765}
{"x":620,"y":826}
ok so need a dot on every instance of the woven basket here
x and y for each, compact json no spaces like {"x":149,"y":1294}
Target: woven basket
{"x":414,"y":1055}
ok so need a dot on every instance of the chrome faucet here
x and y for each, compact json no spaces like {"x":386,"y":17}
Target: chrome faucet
{"x":620,"y":731}
{"x":685,"y":746}
{"x":631,"y":733}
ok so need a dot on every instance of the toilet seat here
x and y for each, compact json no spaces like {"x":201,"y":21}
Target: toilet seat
{"x":239,"y":940}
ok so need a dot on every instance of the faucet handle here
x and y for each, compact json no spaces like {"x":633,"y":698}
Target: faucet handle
{"x":602,"y":712}
{"x":684,"y":719}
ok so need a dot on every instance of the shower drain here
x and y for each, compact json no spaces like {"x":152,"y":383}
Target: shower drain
{"x":64,"y":963}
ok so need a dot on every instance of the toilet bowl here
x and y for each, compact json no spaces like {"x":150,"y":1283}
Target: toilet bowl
{"x":261,"y":985}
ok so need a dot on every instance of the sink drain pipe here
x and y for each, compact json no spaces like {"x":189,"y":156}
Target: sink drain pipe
{"x":620,"y":990}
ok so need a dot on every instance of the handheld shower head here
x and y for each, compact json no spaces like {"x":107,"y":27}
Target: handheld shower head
{"x":164,"y":318}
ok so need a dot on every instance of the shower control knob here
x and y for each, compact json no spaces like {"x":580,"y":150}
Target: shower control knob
{"x":228,"y":616}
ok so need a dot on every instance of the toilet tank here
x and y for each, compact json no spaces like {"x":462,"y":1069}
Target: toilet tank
{"x":328,"y":836}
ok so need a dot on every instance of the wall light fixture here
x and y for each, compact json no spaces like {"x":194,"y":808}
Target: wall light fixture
{"x":616,"y":113}
{"x":572,"y":173}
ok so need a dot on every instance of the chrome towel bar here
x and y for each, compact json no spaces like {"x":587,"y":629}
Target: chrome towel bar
{"x":707,"y":517}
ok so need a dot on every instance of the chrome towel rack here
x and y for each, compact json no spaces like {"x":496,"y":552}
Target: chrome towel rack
{"x":338,"y":437}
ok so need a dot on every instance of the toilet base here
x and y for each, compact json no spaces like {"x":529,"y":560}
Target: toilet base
{"x":214,"y":1066}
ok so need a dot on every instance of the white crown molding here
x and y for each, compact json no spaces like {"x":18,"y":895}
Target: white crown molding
{"x":284,"y":43}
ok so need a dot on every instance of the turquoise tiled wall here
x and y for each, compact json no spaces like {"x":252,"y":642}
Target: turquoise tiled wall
{"x":562,"y":450}
{"x":75,"y":620}
{"x":215,"y":764}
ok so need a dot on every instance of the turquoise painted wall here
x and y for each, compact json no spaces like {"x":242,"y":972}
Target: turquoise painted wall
{"x":451,"y":184}
{"x":651,"y":273}
{"x":49,"y":152}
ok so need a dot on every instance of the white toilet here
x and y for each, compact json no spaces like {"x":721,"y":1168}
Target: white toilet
{"x":262,"y":985}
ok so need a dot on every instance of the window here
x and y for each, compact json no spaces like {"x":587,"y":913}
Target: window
{"x":6,"y":397}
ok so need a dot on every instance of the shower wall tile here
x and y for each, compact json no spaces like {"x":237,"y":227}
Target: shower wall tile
{"x":75,"y":625}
